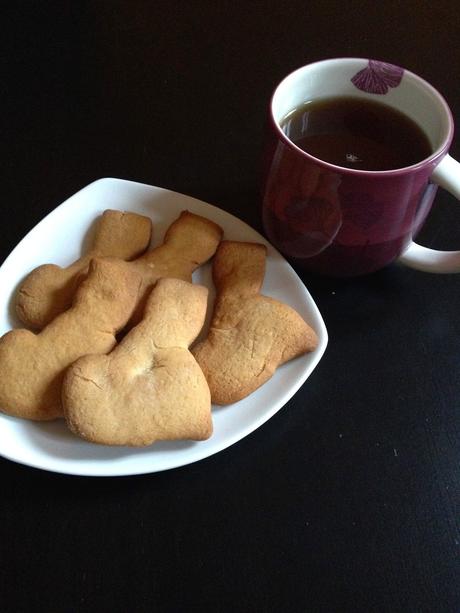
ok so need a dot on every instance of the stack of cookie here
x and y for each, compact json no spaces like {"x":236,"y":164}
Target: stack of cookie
{"x":148,"y":386}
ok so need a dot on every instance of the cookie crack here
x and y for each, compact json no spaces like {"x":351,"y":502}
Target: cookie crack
{"x":89,"y":380}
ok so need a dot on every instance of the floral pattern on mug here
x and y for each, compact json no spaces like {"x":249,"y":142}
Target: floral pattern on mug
{"x":378,"y":77}
{"x":362,"y":213}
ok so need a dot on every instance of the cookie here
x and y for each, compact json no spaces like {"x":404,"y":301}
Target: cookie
{"x":189,"y":242}
{"x":250,"y":334}
{"x":149,"y":388}
{"x":49,"y":289}
{"x":32,"y":365}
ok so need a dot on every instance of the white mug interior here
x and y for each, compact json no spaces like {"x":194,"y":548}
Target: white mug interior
{"x":413,"y":96}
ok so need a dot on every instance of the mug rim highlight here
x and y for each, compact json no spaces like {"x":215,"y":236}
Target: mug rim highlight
{"x":433,"y":159}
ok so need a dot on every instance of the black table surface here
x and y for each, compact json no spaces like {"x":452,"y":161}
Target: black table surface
{"x":348,"y":498}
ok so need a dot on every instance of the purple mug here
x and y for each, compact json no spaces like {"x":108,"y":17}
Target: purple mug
{"x":345,"y":222}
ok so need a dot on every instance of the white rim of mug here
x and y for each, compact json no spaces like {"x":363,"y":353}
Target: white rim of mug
{"x":433,"y":159}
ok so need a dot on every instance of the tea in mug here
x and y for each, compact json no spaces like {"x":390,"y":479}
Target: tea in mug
{"x":356,"y":133}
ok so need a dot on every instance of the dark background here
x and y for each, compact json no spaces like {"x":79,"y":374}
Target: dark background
{"x":347,"y":499}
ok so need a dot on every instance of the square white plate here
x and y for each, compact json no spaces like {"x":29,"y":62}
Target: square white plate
{"x":59,"y":238}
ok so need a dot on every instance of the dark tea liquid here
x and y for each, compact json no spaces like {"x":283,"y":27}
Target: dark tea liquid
{"x":356,"y":133}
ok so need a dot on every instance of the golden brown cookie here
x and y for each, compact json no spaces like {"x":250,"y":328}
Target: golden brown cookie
{"x":250,"y":334}
{"x":191,"y":240}
{"x":49,"y":289}
{"x":32,"y":365}
{"x":149,"y":388}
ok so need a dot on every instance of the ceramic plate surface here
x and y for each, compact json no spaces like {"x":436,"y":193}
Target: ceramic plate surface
{"x":59,"y":238}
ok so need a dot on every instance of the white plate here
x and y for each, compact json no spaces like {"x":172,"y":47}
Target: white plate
{"x":58,"y":238}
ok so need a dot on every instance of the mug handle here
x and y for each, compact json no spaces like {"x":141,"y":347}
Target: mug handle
{"x":447,"y":175}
